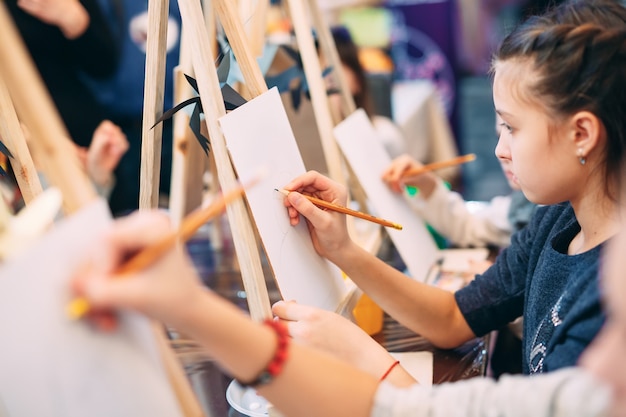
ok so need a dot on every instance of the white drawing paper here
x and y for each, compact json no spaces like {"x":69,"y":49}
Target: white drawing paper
{"x":368,"y":158}
{"x":258,"y":135}
{"x":418,"y":364}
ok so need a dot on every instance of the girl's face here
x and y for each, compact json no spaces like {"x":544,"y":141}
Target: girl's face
{"x":505,"y":164}
{"x":606,"y":355}
{"x":538,"y":159}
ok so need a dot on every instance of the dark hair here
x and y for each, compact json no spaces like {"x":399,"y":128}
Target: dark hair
{"x":349,"y":54}
{"x":578,"y":52}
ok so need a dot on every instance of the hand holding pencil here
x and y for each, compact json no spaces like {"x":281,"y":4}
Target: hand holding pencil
{"x":155,"y":290}
{"x":327,"y":227}
{"x":151,"y":247}
{"x":405,"y":170}
{"x":345,"y":210}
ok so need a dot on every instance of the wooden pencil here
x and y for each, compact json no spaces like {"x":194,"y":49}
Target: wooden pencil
{"x":439,"y":165}
{"x":79,"y":306}
{"x":345,"y":210}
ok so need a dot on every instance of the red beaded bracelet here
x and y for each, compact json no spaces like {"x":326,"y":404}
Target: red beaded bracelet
{"x":393,"y":365}
{"x":275,"y":366}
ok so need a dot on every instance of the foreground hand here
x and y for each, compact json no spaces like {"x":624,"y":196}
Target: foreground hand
{"x":159,"y":291}
{"x":333,"y":334}
{"x":328,"y":228}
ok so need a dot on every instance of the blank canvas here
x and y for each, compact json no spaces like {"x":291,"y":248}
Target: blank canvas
{"x":368,"y":158}
{"x":258,"y":136}
{"x":52,"y":366}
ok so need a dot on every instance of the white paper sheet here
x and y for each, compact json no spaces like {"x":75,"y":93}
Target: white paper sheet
{"x":418,"y":364}
{"x":51,"y":366}
{"x":367,"y":157}
{"x":258,"y":135}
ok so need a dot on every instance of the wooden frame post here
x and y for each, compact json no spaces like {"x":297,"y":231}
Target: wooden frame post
{"x":12,"y":136}
{"x":154,"y":92}
{"x":188,"y":158}
{"x":213,"y":104}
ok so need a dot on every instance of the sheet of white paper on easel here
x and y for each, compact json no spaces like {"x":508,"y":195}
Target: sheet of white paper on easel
{"x":368,"y":158}
{"x":54,"y":367}
{"x":418,"y":364}
{"x":257,"y":135}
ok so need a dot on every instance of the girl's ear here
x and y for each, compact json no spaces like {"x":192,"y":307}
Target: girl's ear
{"x":587,"y":132}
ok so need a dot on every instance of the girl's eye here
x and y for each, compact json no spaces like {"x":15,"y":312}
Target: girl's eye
{"x":507,"y":127}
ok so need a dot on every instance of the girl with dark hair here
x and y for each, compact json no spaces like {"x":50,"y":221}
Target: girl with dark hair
{"x":559,"y":88}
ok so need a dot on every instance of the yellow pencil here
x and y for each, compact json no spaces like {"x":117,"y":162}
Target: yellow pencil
{"x":79,"y":306}
{"x":345,"y":210}
{"x":439,"y":165}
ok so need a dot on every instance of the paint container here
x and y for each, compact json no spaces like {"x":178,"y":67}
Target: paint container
{"x":368,"y":315}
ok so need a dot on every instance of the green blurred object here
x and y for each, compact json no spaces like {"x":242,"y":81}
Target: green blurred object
{"x":412,"y":190}
{"x":441,"y":241}
{"x":368,"y":26}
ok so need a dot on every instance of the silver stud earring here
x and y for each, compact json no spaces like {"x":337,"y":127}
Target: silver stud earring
{"x":581,"y":158}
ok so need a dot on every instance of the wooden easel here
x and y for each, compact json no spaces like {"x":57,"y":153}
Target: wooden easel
{"x":324,"y":116}
{"x":317,"y":89}
{"x":154,"y":90}
{"x":243,"y":233}
{"x":329,"y":50}
{"x":254,"y":15}
{"x":61,"y":166}
{"x":212,"y":102}
{"x":188,"y":159}
{"x":13,"y":138}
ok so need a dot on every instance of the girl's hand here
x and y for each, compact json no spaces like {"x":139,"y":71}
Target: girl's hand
{"x":334,"y":334}
{"x":328,"y":229}
{"x":394,"y":175}
{"x":160,"y":291}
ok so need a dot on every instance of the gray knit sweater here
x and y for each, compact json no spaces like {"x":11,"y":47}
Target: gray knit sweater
{"x":565,"y":393}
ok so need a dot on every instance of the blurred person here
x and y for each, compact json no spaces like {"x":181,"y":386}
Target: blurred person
{"x":447,"y":212}
{"x":121,"y":94}
{"x":389,"y":133}
{"x":68,"y":38}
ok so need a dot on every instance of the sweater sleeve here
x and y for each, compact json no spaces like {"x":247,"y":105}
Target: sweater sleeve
{"x":496,"y":297}
{"x":96,"y":51}
{"x":565,"y":393}
{"x":447,"y":212}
